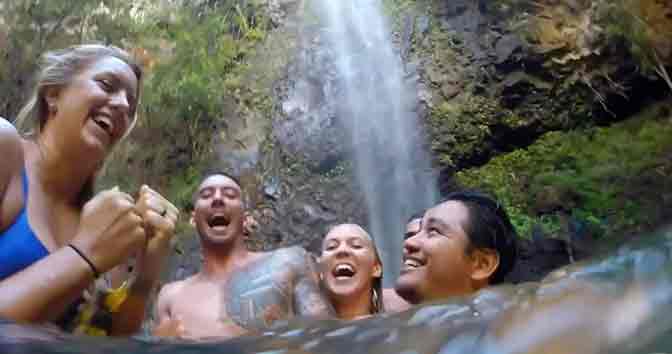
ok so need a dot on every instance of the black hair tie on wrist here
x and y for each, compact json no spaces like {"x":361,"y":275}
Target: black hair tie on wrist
{"x":96,"y":274}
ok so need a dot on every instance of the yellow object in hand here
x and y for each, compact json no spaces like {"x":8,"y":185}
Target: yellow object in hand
{"x":115,"y":298}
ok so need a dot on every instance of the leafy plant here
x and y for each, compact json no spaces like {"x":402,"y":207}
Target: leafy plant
{"x":593,"y":173}
{"x":647,"y":27}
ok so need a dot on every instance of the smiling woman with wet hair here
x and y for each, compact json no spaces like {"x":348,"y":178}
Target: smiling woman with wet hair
{"x":56,"y":237}
{"x":351,"y":272}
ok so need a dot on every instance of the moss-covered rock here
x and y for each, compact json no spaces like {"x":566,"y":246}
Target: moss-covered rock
{"x":614,"y":178}
{"x":496,"y":75}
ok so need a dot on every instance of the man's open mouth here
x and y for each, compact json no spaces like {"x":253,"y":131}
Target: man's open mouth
{"x":218,"y":222}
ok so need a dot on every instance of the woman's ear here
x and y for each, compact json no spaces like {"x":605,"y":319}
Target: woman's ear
{"x":192,"y":221}
{"x":377,"y":270}
{"x":51,"y":95}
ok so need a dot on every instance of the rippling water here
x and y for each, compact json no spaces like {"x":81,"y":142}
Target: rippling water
{"x":619,"y":303}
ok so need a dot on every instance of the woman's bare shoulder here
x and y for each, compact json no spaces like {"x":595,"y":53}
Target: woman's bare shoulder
{"x":11,"y":151}
{"x":9,"y":137}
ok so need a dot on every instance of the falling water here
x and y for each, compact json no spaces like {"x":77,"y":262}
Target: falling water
{"x":377,"y":108}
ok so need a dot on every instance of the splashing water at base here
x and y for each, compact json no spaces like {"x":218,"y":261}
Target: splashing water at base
{"x":617,"y":304}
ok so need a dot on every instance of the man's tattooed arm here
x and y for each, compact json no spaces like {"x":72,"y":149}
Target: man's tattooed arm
{"x":259,"y":294}
{"x":309,"y":300}
{"x":282,"y":284}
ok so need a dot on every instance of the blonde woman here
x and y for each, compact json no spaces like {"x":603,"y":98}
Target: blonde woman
{"x":55,"y":236}
{"x":351,"y":272}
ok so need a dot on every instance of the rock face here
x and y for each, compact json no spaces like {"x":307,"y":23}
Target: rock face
{"x":498,"y":80}
{"x":305,"y":125}
{"x":490,"y":77}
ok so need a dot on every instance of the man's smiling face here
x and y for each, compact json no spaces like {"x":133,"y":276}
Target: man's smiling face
{"x":218,"y":210}
{"x":436,"y":264}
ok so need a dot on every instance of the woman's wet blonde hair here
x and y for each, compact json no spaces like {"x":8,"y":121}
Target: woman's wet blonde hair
{"x":57,"y":70}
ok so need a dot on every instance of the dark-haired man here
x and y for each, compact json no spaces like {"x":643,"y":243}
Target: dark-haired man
{"x":465,"y":243}
{"x":236,"y":291}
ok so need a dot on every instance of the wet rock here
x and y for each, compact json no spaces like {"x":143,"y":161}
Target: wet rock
{"x":306,"y":124}
{"x":407,"y":36}
{"x":310,"y":131}
{"x":301,"y":212}
{"x":552,"y":198}
{"x":272,"y":188}
{"x":283,"y":12}
{"x":506,"y":46}
{"x":450,"y":90}
{"x":581,"y":238}
{"x":453,"y":8}
{"x":422,"y":24}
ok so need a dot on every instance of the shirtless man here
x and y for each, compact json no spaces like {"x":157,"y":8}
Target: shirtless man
{"x":236,"y":291}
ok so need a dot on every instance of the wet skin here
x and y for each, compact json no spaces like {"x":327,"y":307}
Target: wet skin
{"x":237,"y":291}
{"x":269,"y":287}
{"x":349,"y":266}
{"x":436,"y":264}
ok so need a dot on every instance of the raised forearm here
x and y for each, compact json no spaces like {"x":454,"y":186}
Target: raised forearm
{"x":128,"y":319}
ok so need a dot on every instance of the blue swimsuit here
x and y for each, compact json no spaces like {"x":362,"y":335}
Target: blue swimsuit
{"x":19,"y":247}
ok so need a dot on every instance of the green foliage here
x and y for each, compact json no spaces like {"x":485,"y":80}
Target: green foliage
{"x":31,"y":27}
{"x":182,"y":189}
{"x":395,"y":9}
{"x":460,"y":126}
{"x":195,"y":56}
{"x":594,"y":173}
{"x":646,"y":25}
{"x":209,"y":46}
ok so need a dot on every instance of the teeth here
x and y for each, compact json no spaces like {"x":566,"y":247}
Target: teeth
{"x":412,"y":263}
{"x":345,"y":267}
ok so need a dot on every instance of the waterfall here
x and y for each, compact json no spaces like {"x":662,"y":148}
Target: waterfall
{"x":377,"y":108}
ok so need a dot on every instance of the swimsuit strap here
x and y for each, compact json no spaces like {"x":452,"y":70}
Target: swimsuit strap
{"x":25,"y":186}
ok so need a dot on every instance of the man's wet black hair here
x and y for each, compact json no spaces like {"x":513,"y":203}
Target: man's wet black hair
{"x":489,"y":226}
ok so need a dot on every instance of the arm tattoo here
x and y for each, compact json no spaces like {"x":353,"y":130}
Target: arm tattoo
{"x":273,"y":288}
{"x":309,"y":299}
